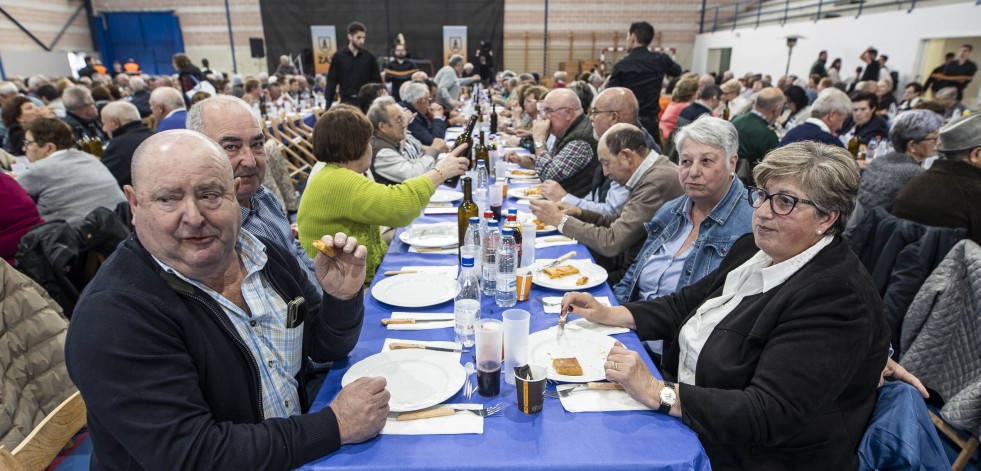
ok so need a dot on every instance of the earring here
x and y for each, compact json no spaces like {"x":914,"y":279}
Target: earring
{"x":819,"y":232}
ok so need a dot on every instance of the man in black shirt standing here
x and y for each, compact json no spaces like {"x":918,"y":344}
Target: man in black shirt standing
{"x":643,"y":71}
{"x":872,"y":66}
{"x":958,"y":73}
{"x":399,"y":71}
{"x":352,"y":67}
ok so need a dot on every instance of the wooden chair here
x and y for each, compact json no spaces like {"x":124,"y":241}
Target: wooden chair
{"x":280,"y":132}
{"x":967,"y":446}
{"x":44,"y":443}
{"x":298,"y":167}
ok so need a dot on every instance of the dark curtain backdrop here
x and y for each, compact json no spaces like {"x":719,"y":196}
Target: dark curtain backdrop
{"x":287,"y":26}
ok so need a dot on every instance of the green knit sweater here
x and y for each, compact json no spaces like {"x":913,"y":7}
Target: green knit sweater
{"x":339,"y":200}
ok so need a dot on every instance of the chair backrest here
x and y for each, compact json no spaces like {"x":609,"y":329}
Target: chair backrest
{"x":44,"y":443}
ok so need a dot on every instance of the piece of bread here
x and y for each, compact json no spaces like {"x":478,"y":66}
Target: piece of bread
{"x":324,"y":248}
{"x":526,"y":173}
{"x":582,"y":280}
{"x":567,"y":366}
{"x":561,"y":271}
{"x":533,"y":191}
{"x":540,"y":226}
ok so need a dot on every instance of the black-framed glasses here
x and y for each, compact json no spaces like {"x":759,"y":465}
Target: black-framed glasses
{"x":780,"y":203}
{"x":596,"y":112}
{"x":28,"y":142}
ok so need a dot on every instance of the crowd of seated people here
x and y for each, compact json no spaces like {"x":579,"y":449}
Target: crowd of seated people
{"x":739,"y":225}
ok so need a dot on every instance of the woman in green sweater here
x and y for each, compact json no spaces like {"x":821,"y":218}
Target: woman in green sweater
{"x":340,"y":198}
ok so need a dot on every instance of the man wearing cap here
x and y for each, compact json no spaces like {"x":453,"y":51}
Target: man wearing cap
{"x":949,"y":193}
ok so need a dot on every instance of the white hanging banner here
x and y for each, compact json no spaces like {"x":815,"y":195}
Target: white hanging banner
{"x":454,"y":42}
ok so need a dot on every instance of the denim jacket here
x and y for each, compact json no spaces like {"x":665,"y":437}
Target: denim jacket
{"x":731,"y":218}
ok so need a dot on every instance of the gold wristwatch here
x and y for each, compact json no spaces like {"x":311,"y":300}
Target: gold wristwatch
{"x":668,"y":396}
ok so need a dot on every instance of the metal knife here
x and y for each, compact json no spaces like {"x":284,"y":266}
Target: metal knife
{"x":399,"y":346}
{"x":558,"y":260}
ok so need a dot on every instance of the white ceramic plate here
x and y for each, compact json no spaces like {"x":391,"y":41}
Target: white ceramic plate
{"x":416,"y":379}
{"x":597,"y":275}
{"x":446,"y":196}
{"x":444,"y":234}
{"x":415,"y":290}
{"x":519,"y":193}
{"x":524,"y":218}
{"x":589,"y":348}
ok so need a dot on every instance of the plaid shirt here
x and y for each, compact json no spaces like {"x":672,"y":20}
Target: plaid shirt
{"x":266,"y":219}
{"x":571,"y":159}
{"x":277,"y":350}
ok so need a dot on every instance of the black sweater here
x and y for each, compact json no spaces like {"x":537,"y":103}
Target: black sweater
{"x":788,"y":379}
{"x":168,"y":382}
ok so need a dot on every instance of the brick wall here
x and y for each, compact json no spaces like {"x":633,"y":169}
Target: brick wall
{"x":675,"y":25}
{"x":44,"y":19}
{"x":205,"y":28}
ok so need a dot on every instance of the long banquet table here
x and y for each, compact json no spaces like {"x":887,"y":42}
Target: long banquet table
{"x":552,"y":440}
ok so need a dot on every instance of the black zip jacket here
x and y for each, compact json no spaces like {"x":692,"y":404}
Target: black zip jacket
{"x":168,"y":382}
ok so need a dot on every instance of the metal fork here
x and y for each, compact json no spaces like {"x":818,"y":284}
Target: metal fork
{"x":563,"y":393}
{"x":466,"y":386}
{"x":489,"y":411}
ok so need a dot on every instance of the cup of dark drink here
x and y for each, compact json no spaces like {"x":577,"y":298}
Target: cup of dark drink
{"x":496,"y":199}
{"x":529,"y":381}
{"x":489,"y":341}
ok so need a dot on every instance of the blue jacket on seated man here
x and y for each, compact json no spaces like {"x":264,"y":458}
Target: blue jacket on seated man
{"x":729,"y":220}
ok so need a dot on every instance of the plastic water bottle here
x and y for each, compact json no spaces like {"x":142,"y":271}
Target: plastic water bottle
{"x":507,"y":262}
{"x":492,"y":240}
{"x":487,"y":215}
{"x":471,"y":244}
{"x":871,"y":148}
{"x":480,"y":192}
{"x":882,"y":148}
{"x":466,"y":306}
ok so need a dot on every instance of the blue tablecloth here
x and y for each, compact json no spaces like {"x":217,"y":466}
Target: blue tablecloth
{"x":552,"y":440}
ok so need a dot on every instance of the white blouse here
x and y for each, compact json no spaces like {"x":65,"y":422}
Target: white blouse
{"x":757,"y":275}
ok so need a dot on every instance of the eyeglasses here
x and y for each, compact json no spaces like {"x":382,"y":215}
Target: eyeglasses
{"x":934,"y":138}
{"x":780,"y":203}
{"x":550,"y":110}
{"x":596,"y":112}
{"x":28,"y":142}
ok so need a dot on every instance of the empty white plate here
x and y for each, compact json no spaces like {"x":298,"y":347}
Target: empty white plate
{"x":446,"y":196}
{"x":416,"y":379}
{"x":444,"y":234}
{"x":415,"y":290}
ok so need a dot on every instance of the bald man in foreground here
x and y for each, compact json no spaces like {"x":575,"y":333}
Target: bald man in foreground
{"x":189,"y":345}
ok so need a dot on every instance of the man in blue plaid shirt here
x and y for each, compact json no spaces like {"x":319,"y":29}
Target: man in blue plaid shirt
{"x":190,"y":345}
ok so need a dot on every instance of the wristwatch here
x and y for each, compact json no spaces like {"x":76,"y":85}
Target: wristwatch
{"x":668,"y":397}
{"x":539,"y":144}
{"x":562,"y":223}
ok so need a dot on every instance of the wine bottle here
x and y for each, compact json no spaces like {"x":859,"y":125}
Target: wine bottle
{"x":493,"y":118}
{"x":480,"y":153}
{"x":464,"y":138}
{"x":466,"y":210}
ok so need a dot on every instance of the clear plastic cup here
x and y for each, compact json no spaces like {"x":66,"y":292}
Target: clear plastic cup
{"x":489,"y":333}
{"x":516,"y":325}
{"x":528,"y":232}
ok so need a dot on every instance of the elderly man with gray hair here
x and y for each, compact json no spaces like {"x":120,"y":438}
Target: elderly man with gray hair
{"x":690,"y":235}
{"x":391,"y":163}
{"x":167,"y":105}
{"x":141,"y":96}
{"x":81,"y":113}
{"x":416,"y":98}
{"x":949,"y":193}
{"x":828,"y":113}
{"x":755,"y":136}
{"x":449,"y":82}
{"x":121,"y":121}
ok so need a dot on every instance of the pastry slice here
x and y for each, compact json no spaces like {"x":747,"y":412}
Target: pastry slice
{"x":561,"y":271}
{"x":567,"y":366}
{"x":582,"y":280}
{"x":326,"y":249}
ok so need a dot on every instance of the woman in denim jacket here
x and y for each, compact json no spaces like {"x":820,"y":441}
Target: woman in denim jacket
{"x":689,"y":236}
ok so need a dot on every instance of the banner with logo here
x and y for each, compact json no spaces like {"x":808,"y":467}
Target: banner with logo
{"x":454,"y":42}
{"x":324,"y":46}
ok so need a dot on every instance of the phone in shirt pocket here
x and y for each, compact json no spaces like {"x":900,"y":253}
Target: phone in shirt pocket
{"x":295,"y":316}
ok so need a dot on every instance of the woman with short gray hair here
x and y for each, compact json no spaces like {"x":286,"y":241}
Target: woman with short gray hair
{"x":690,"y":235}
{"x":914,"y":138}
